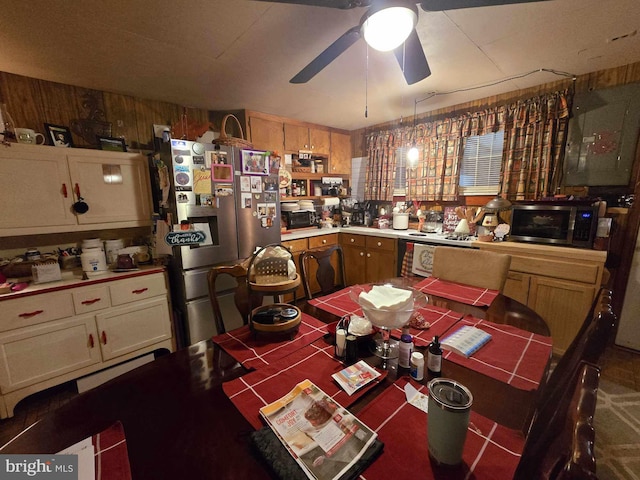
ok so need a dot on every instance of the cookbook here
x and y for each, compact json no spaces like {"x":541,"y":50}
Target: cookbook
{"x":324,"y":438}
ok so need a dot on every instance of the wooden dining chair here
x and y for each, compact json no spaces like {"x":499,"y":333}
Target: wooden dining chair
{"x":471,"y":266}
{"x":326,"y":266}
{"x":564,"y":448}
{"x":245,"y":300}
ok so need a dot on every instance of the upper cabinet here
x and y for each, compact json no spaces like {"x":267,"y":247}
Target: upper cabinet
{"x":299,"y":137}
{"x":266,"y":134}
{"x":42,"y":183}
{"x":340,"y":159}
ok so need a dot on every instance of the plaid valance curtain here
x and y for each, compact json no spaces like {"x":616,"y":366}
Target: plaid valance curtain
{"x":535,"y":134}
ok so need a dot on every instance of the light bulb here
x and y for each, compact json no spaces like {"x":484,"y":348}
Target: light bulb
{"x":386,"y":29}
{"x":412,"y":157}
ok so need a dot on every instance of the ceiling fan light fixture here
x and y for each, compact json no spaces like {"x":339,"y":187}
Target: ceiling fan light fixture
{"x":386,"y":28}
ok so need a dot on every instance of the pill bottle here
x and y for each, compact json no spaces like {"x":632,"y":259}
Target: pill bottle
{"x":417,"y":366}
{"x":405,"y":349}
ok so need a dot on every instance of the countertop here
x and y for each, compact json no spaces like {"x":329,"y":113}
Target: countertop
{"x":412,"y":235}
{"x":73,"y":279}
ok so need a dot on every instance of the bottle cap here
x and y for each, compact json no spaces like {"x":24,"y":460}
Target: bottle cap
{"x":405,"y":337}
{"x":417,"y":356}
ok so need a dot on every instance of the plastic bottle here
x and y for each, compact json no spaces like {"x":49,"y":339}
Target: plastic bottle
{"x":417,"y":366}
{"x":434,"y":358}
{"x":406,"y":348}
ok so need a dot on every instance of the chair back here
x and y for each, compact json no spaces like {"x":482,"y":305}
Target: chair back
{"x":244,"y":299}
{"x":471,"y":266}
{"x":326,"y":266}
{"x":566,"y":448}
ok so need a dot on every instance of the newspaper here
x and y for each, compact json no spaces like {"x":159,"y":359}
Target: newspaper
{"x":323,"y":437}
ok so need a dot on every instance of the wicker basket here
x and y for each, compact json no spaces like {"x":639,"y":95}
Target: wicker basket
{"x":228,"y":140}
{"x":301,"y":169}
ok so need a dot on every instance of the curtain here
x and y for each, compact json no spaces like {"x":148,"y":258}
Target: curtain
{"x":535,"y":134}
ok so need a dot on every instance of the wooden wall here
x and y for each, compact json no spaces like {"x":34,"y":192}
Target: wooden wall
{"x":32,"y":103}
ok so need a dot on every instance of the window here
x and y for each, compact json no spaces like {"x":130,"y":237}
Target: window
{"x":400,"y":183}
{"x":481,"y":164}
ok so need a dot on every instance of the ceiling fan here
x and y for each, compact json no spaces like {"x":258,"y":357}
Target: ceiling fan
{"x":406,"y":47}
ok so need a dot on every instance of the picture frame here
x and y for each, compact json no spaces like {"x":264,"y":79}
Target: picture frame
{"x":254,"y":162}
{"x":60,"y":135}
{"x":112,"y":144}
{"x":221,"y":173}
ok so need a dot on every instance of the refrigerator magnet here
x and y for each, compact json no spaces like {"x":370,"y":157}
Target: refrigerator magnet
{"x":221,"y":173}
{"x":245,"y":183}
{"x":223,"y":190}
{"x":256,"y":185}
{"x":246,"y":200}
{"x":255,"y":162}
{"x":262,"y":210}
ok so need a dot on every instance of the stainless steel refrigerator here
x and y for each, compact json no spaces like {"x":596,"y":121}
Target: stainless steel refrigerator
{"x":232,"y":196}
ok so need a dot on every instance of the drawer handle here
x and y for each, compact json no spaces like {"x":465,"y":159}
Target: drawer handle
{"x":64,"y":190}
{"x":379,"y":244}
{"x":324,"y":241}
{"x":31,"y":314}
{"x":91,"y":344}
{"x":352,"y":240}
{"x":91,"y":302}
{"x":104,"y":337}
{"x":139,"y":291}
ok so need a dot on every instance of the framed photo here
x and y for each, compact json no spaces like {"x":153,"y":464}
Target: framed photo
{"x":221,"y":173}
{"x":255,"y":162}
{"x":60,"y":136}
{"x":111,"y":143}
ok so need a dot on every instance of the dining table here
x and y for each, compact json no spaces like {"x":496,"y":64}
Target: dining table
{"x":191,"y":413}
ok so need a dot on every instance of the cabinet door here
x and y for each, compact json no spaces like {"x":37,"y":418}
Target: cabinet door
{"x":126,"y":329}
{"x":340,"y":159}
{"x":517,"y":287}
{"x":563,"y":305}
{"x":36,"y":190}
{"x":381,"y":265}
{"x":115,"y":186}
{"x":34,"y":354}
{"x":355,"y":261}
{"x":319,"y":140}
{"x":296,"y":137}
{"x":266,"y":134}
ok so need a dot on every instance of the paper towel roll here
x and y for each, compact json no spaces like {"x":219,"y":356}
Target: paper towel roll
{"x":331,"y":202}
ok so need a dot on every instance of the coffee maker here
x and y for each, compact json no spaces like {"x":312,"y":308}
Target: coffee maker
{"x":357,"y":215}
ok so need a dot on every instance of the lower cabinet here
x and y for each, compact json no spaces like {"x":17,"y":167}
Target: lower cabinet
{"x":368,"y":259}
{"x":79,"y":331}
{"x":558,"y":283}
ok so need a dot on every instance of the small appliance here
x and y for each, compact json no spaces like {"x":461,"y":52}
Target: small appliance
{"x":298,"y":219}
{"x":567,"y":224}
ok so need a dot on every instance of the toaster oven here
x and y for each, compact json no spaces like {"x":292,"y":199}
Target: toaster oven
{"x":298,"y":219}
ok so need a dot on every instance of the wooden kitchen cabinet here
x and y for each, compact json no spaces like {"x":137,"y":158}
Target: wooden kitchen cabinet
{"x":41,"y":183}
{"x":301,"y":137}
{"x":368,"y":258}
{"x":52,"y":337}
{"x":266,"y":134}
{"x":558,"y":283}
{"x":340,"y":159}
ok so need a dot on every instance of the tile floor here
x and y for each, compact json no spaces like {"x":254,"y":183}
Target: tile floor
{"x":619,"y":366}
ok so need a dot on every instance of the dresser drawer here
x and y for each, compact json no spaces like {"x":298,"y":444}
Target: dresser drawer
{"x":323,"y":240}
{"x":90,"y":299}
{"x":34,"y":309}
{"x":137,"y":288}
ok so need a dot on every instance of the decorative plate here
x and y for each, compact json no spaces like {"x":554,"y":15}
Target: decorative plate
{"x":285,"y":178}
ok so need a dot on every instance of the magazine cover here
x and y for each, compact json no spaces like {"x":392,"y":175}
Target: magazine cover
{"x":323,"y":437}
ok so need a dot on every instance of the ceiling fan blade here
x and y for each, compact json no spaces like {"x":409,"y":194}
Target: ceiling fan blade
{"x":412,"y":59}
{"x":342,"y":4}
{"x":439,"y":5}
{"x":332,"y":52}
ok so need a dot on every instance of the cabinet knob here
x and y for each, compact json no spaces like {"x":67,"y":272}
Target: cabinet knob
{"x":362,"y":254}
{"x":379,"y":244}
{"x":368,"y":255}
{"x":324,"y":241}
{"x":352,"y":240}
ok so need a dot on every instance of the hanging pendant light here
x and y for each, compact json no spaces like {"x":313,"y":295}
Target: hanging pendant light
{"x":388,"y":24}
{"x":413,"y":155}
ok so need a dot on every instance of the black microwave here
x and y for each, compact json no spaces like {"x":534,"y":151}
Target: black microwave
{"x":573,"y":225}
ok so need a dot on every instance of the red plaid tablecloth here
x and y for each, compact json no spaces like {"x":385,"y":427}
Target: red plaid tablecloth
{"x":514,"y":356}
{"x":491,"y":451}
{"x":111,"y":456}
{"x":256,"y":351}
{"x":457,"y":291}
{"x":256,"y":389}
{"x":441,"y":320}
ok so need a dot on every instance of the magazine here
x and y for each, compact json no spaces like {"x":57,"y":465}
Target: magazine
{"x":466,"y":340}
{"x":355,"y":376}
{"x":323,"y":437}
